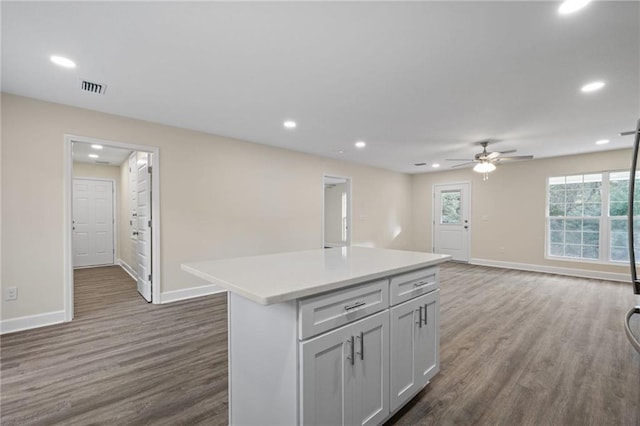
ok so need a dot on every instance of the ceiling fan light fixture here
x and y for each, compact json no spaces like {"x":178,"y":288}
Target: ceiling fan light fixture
{"x":484,"y":167}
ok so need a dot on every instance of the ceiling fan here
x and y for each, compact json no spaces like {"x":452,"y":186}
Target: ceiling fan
{"x":485,"y":162}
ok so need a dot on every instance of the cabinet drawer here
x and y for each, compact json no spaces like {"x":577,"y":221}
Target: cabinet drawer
{"x":413,"y":284}
{"x":327,"y":311}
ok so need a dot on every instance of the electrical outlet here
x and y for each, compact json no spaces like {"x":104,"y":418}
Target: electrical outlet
{"x":11,"y":293}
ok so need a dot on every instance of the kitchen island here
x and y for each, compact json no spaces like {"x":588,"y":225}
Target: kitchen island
{"x":335,"y":336}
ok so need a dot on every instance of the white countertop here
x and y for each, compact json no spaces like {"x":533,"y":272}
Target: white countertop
{"x":281,"y":277}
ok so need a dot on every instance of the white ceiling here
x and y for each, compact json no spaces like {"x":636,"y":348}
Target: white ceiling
{"x":111,"y":155}
{"x":418,"y":81}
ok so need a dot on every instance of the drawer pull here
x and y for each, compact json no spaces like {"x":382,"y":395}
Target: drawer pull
{"x":421,"y":283}
{"x":355,"y":305}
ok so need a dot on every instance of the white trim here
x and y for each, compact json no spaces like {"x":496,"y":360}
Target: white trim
{"x":31,"y":321}
{"x":189,"y":293}
{"x":128,"y":269}
{"x":582,"y":273}
{"x":68,"y":214}
{"x":349,"y":209}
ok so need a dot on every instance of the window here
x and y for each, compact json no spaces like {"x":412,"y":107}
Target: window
{"x":450,"y":202}
{"x":587,"y":216}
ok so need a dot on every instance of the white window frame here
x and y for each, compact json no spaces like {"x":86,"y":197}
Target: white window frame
{"x":604,"y":241}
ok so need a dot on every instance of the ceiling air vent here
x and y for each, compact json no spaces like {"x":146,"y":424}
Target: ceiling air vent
{"x":97,"y":88}
{"x":102,"y":162}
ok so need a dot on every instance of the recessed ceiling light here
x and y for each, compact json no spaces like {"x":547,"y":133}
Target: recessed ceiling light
{"x":96,"y":146}
{"x":93,"y":155}
{"x":602,"y":142}
{"x":289,"y":124}
{"x":592,"y":87}
{"x":570,"y":6}
{"x":62,"y":61}
{"x":420,"y":164}
{"x":361,"y":144}
{"x":435,"y":165}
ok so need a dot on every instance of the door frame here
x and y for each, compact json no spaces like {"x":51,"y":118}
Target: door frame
{"x":114,"y":212}
{"x":349,"y":209}
{"x":433,"y":212}
{"x":68,"y":215}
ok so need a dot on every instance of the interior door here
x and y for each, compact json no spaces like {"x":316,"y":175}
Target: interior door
{"x":451,"y":227}
{"x":92,"y":222}
{"x":143,"y":228}
{"x":336,"y":227}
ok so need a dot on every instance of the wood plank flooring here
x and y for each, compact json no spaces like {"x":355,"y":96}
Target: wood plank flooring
{"x":517,"y":348}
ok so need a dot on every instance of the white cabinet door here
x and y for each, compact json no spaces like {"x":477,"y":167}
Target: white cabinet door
{"x":327,"y":377}
{"x":372,"y":369}
{"x":345,"y":372}
{"x":428,"y":341}
{"x":414,"y":346}
{"x":404,"y":335}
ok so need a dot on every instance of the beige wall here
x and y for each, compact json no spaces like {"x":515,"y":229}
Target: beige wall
{"x":219,"y":198}
{"x":508,"y":210}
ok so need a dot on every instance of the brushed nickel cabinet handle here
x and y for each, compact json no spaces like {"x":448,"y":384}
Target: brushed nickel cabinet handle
{"x":352,"y":358}
{"x":355,"y":305}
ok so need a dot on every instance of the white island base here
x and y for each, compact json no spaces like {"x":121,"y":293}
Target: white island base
{"x":349,"y":344}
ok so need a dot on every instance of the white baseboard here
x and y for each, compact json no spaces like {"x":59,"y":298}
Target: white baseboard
{"x":582,"y":273}
{"x":189,"y":293}
{"x":31,"y":321}
{"x":128,"y":269}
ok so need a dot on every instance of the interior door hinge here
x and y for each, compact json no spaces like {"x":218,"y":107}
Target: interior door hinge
{"x":149,"y":169}
{"x":149,"y":223}
{"x":149,"y":277}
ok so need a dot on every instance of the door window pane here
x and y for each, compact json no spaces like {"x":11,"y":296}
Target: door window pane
{"x":450,"y":205}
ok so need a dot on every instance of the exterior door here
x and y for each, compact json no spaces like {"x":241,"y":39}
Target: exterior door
{"x":143,"y":228}
{"x":92,"y":222}
{"x":451,"y":227}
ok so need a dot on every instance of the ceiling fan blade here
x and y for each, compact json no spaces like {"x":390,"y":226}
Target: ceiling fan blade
{"x":492,"y":156}
{"x":517,"y":157}
{"x":509,"y":151}
{"x":463,"y":164}
{"x":458,"y":159}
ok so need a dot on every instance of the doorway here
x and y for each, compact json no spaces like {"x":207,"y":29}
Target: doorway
{"x":336,"y":211}
{"x":135,"y":206}
{"x":451,"y":220}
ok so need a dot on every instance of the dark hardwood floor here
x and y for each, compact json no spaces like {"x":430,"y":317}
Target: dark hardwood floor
{"x":517,"y":348}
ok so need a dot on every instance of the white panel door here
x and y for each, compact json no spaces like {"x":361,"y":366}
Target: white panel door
{"x":372,"y":369}
{"x":451,"y":229}
{"x":327,"y":377}
{"x":143,"y":228}
{"x":92,"y":222}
